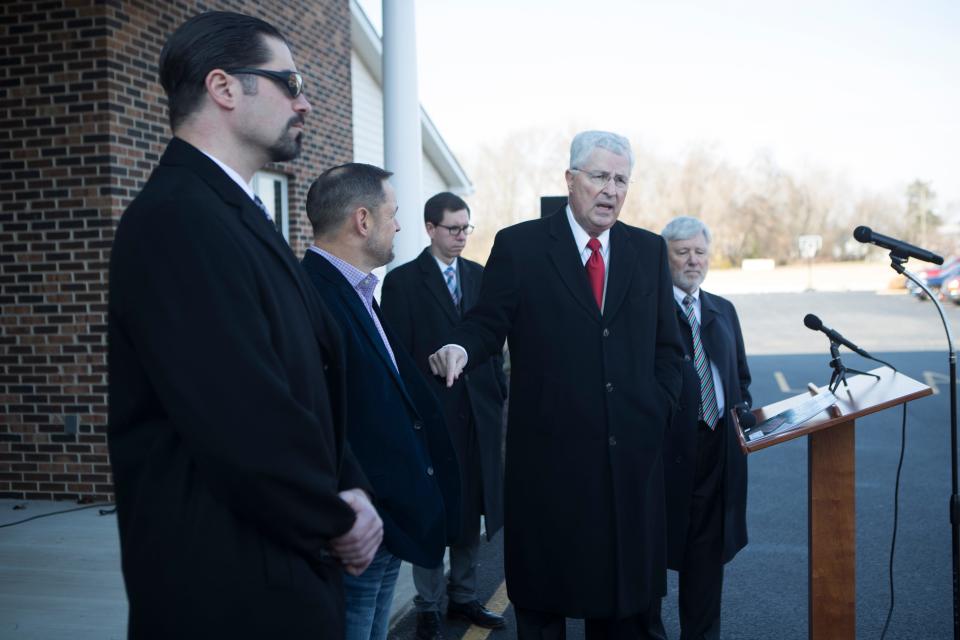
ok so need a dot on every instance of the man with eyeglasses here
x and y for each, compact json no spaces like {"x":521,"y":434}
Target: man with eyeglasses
{"x":238,"y":502}
{"x":587,"y":306}
{"x":422,"y":301}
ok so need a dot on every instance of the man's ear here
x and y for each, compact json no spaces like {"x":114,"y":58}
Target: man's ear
{"x":362,"y":221}
{"x":222,"y":88}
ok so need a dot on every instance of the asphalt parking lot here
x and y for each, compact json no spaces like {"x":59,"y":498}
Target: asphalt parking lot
{"x":765,"y":592}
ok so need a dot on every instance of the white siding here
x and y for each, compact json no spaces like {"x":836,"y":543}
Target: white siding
{"x":432,"y":180}
{"x":368,"y":128}
{"x":367,"y":114}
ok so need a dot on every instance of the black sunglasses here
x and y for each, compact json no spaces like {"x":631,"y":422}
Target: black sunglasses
{"x":292,"y":80}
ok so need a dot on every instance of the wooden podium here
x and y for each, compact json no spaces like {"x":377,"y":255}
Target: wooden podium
{"x":831,"y":500}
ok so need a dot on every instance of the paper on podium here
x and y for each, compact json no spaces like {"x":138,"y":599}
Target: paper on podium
{"x":791,"y":418}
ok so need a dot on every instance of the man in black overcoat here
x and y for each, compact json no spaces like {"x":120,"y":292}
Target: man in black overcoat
{"x":423,"y":301}
{"x":586,"y":304}
{"x":395,"y":424}
{"x":238,"y":501}
{"x":706,"y":471}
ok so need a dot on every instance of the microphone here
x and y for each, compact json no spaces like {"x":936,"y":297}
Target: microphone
{"x":865,"y":234}
{"x":813,"y":322}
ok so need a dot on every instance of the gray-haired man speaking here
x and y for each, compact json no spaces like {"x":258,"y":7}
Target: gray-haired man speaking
{"x":586,"y":304}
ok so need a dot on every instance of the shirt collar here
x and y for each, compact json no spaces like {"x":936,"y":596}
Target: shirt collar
{"x":679,"y":294}
{"x":443,"y":265}
{"x":581,"y":237}
{"x":233,"y":175}
{"x":364,"y":283}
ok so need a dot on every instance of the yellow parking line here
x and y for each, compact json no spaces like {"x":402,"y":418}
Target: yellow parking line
{"x":497,"y":603}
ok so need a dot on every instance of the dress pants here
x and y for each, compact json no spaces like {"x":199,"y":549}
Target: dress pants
{"x":701,"y":578}
{"x":368,"y":597}
{"x":537,"y":625}
{"x":462,"y":586}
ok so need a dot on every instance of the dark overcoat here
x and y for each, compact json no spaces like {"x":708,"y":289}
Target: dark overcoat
{"x":226,"y":423}
{"x":395,"y":428}
{"x":723,"y":343}
{"x":420,"y":310}
{"x":590,"y":397}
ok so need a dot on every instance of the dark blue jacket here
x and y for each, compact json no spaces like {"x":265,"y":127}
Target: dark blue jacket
{"x":395,"y":428}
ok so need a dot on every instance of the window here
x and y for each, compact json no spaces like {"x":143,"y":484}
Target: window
{"x":272,"y":189}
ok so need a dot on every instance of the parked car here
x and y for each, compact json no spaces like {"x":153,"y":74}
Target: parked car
{"x":950,"y":290}
{"x":934,"y":277}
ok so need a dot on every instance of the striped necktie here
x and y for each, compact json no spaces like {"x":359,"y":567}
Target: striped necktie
{"x":709,"y":412}
{"x":450,"y":274}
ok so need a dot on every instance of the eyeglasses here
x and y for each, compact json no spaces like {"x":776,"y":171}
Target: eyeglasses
{"x":600,"y":179}
{"x":292,"y":80}
{"x":454,"y":230}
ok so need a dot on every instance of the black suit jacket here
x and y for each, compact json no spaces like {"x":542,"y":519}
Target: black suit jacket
{"x":723,"y":342}
{"x":591,"y":395}
{"x":226,"y":429}
{"x":419,"y":308}
{"x":395,"y":428}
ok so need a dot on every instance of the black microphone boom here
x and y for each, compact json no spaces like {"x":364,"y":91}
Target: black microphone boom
{"x":813,"y":322}
{"x":903,"y":249}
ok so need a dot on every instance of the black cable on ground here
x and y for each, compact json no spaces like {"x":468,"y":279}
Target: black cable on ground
{"x":54,"y":513}
{"x":896,"y":510}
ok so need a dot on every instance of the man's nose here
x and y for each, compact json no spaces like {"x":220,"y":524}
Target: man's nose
{"x":302,"y":105}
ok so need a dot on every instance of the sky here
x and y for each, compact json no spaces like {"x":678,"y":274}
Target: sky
{"x":869,"y":91}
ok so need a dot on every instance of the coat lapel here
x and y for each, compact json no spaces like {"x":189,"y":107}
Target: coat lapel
{"x":469,"y":284}
{"x":563,"y":254}
{"x":710,"y":327}
{"x":250,"y":216}
{"x":623,"y":266}
{"x":435,"y":284}
{"x":351,"y":301}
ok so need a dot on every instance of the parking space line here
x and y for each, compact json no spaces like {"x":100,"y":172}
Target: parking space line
{"x":497,"y":603}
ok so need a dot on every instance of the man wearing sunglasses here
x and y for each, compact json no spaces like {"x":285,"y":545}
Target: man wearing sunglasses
{"x":238,"y":502}
{"x":423,"y":301}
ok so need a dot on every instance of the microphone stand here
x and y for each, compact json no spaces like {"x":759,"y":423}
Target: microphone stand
{"x":840,"y":371}
{"x":897,"y":261}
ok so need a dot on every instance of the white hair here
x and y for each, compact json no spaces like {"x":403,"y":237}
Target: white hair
{"x":684,"y":228}
{"x":585,"y":142}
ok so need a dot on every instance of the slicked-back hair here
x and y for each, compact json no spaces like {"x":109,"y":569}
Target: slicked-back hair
{"x":208,"y":41}
{"x":341,"y":190}
{"x":684,"y":228}
{"x":436,"y":206}
{"x":585,"y":142}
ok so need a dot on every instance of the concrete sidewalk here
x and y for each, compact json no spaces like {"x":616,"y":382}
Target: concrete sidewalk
{"x":60,"y":574}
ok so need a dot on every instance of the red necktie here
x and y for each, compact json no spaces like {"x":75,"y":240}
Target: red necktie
{"x":595,"y":270}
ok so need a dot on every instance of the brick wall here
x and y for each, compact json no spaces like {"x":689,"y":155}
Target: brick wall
{"x":82,"y":124}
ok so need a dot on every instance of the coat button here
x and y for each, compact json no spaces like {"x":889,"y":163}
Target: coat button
{"x":417,"y":425}
{"x":606,"y":333}
{"x":609,"y":387}
{"x":686,"y":358}
{"x":613,"y":441}
{"x":678,"y":460}
{"x":429,"y":471}
{"x":466,"y":377}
